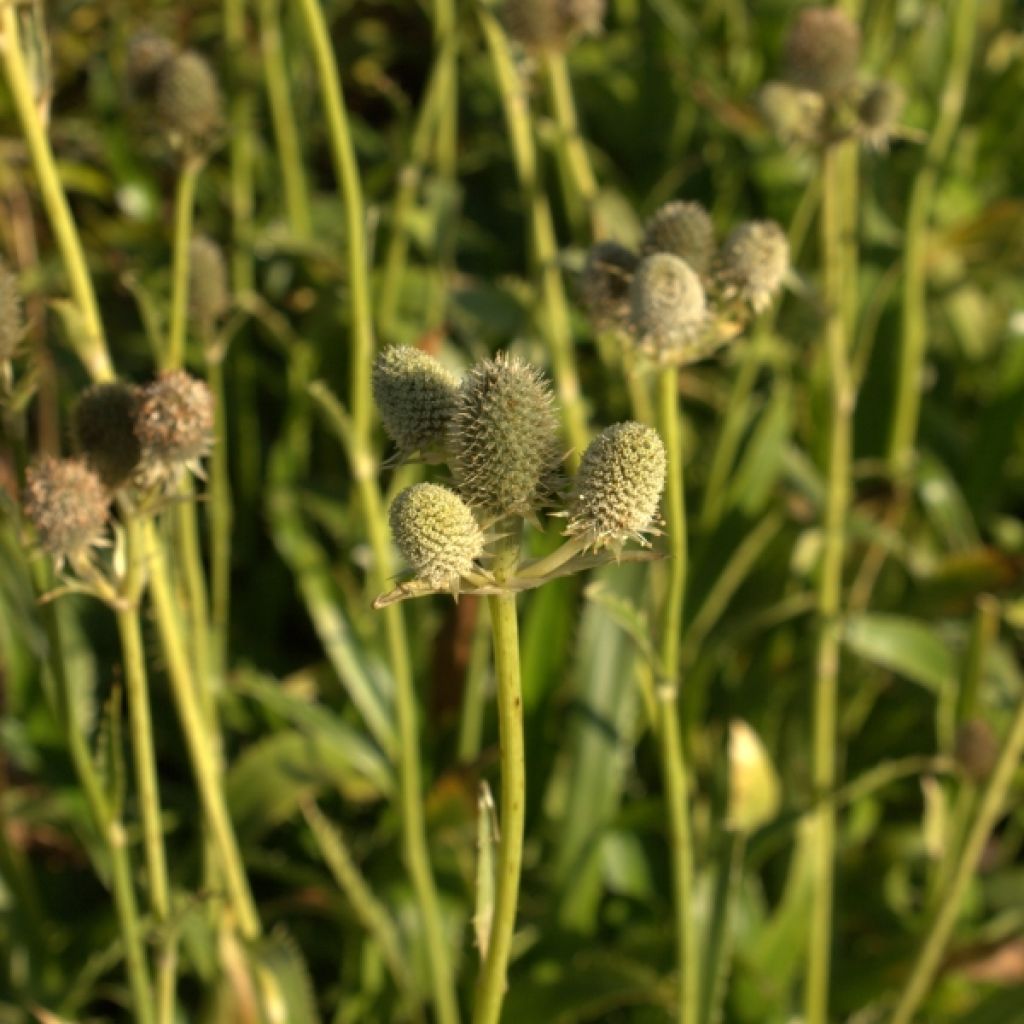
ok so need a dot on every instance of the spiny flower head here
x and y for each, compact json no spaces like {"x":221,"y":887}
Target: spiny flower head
{"x":616,"y":491}
{"x":436,"y":533}
{"x":103,"y":424}
{"x":683,"y":229}
{"x":754,"y":262}
{"x":12,"y":320}
{"x":209,"y":297}
{"x":669,"y":308}
{"x":822,"y":50}
{"x":503,"y":438}
{"x":174,"y":424}
{"x":189,"y":104}
{"x":552,"y":24}
{"x":415,"y":396}
{"x":67,"y":504}
{"x":605,"y":284}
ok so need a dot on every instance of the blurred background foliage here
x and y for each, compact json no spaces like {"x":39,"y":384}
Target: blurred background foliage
{"x":666,"y":100}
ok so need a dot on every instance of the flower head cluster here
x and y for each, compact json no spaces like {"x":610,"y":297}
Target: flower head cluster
{"x":754,"y":262}
{"x":209,"y":296}
{"x":552,"y":24}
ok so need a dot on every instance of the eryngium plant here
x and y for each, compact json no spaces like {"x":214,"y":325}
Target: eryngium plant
{"x":683,"y":229}
{"x":753,"y":263}
{"x":670,"y":313}
{"x":174,"y":425}
{"x":189,"y":106}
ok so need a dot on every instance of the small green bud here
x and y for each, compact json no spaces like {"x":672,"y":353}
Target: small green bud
{"x":669,"y":308}
{"x":436,"y":533}
{"x":103,"y":424}
{"x":605,"y":284}
{"x":977,"y":749}
{"x":685,"y":230}
{"x":617,"y":489}
{"x":12,"y":319}
{"x":67,"y":504}
{"x":415,"y":396}
{"x":503,"y":438}
{"x":189,"y":105}
{"x":209,"y":296}
{"x":174,"y":424}
{"x":822,"y":50}
{"x":753,"y":263}
{"x":552,"y":24}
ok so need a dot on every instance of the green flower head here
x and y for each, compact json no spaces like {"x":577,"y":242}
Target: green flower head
{"x":670,"y":314}
{"x":822,"y":50}
{"x":189,"y":105}
{"x":683,"y":229}
{"x":174,"y":424}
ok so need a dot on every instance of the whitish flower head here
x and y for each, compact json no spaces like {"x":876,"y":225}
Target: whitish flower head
{"x":436,"y":533}
{"x":503,"y":438}
{"x":552,"y":24}
{"x":822,"y":50}
{"x":685,"y":230}
{"x":415,"y":396}
{"x":605,"y":284}
{"x":670,"y":315}
{"x":104,"y":429}
{"x":12,"y":320}
{"x":67,"y":504}
{"x":616,"y":492}
{"x":189,"y":105}
{"x":174,"y":424}
{"x":794,"y":114}
{"x":879,"y":113}
{"x":754,"y":262}
{"x":209,"y":297}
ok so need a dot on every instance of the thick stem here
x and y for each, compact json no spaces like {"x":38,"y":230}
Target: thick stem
{"x":505,"y":631}
{"x":184,"y":205}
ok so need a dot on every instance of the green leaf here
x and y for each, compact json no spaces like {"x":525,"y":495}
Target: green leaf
{"x":285,"y":985}
{"x":906,"y":646}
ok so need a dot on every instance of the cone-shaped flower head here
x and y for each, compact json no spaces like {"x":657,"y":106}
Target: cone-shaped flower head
{"x":503,"y":438}
{"x":415,"y":396}
{"x":669,"y":308}
{"x":104,"y":429}
{"x":174,"y":424}
{"x":552,"y":24}
{"x":67,"y":504}
{"x":436,"y":533}
{"x":822,"y":50}
{"x":12,"y":320}
{"x":209,"y":297}
{"x":683,"y":229}
{"x":617,"y":489}
{"x":148,"y":54}
{"x":754,"y":262}
{"x":605,"y":284}
{"x":189,"y":104}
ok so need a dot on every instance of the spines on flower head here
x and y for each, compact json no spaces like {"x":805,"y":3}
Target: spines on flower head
{"x":209,"y":296}
{"x":503,"y":438}
{"x":415,"y":396}
{"x":103,"y":424}
{"x":822,"y":50}
{"x":670,"y":314}
{"x":189,"y":105}
{"x":683,"y":229}
{"x":616,"y":492}
{"x":12,"y":319}
{"x":174,"y":424}
{"x":753,"y":263}
{"x":436,"y":534}
{"x":605,"y":285}
{"x":68,"y":505}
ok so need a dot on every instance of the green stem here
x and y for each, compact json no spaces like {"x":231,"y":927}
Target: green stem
{"x":200,"y":748}
{"x":241,"y":148}
{"x":914,"y":334}
{"x":282,"y":117}
{"x":92,"y":348}
{"x":990,"y":806}
{"x":670,"y":741}
{"x":220,"y":516}
{"x":837,"y":499}
{"x":474,"y":698}
{"x":184,"y":204}
{"x":505,"y":631}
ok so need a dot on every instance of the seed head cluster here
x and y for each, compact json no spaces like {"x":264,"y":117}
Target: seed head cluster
{"x":552,"y":24}
{"x":683,"y":229}
{"x":174,"y":424}
{"x":415,"y":396}
{"x":754,"y":262}
{"x":12,"y":320}
{"x":103,"y":424}
{"x":616,"y":492}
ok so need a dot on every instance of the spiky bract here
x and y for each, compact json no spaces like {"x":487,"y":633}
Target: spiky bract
{"x":552,"y":24}
{"x":175,"y":424}
{"x":104,"y":429}
{"x":189,"y":104}
{"x":683,"y":229}
{"x":669,"y":308}
{"x":503,"y":438}
{"x":415,"y":396}
{"x":209,"y":296}
{"x":605,"y":284}
{"x":67,"y":504}
{"x":616,"y":492}
{"x":822,"y":50}
{"x":12,"y":319}
{"x":436,"y":533}
{"x":754,"y":262}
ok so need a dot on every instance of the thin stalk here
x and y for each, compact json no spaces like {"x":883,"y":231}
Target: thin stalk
{"x":837,"y":500}
{"x":492,"y":983}
{"x":474,"y":698}
{"x":914,"y":334}
{"x":92,"y":347}
{"x":201,"y":750}
{"x":554,"y":312}
{"x":240,"y":114}
{"x":670,"y":741}
{"x":716,"y":968}
{"x":993,"y":798}
{"x":282,"y":117}
{"x":184,"y":205}
{"x":220,"y":516}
